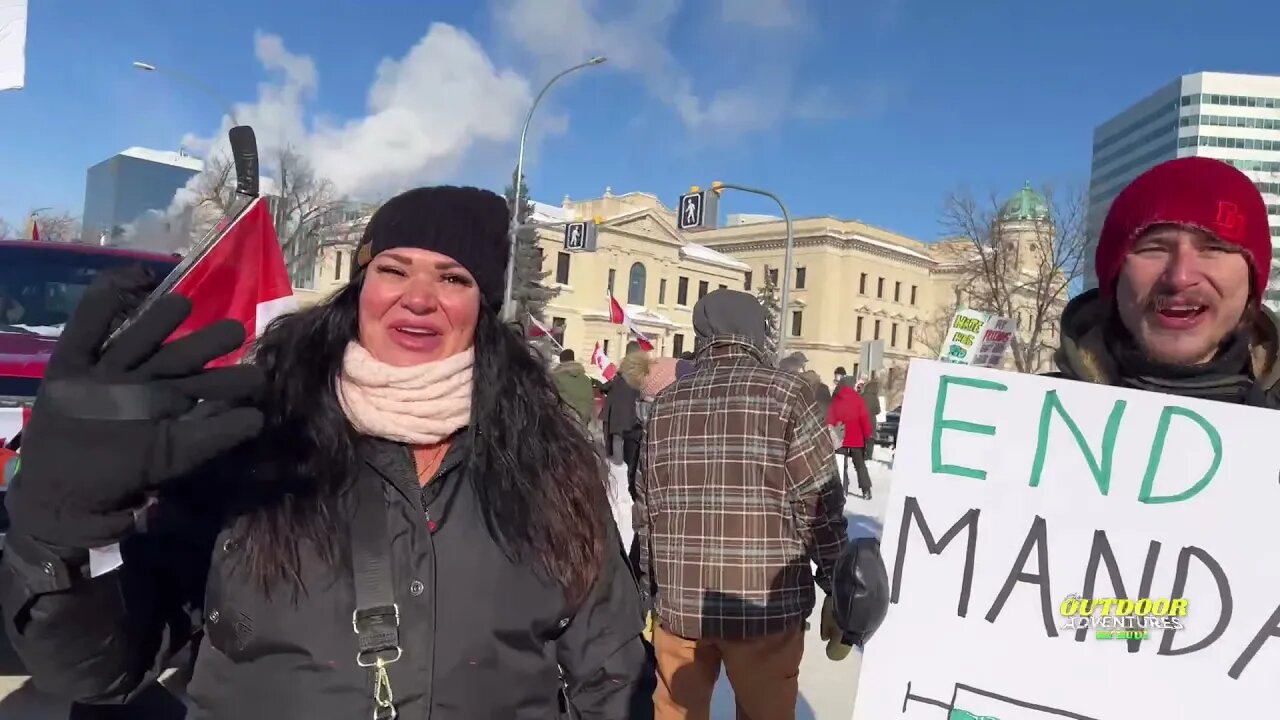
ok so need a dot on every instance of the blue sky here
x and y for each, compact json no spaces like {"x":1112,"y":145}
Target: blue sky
{"x":868,"y":109}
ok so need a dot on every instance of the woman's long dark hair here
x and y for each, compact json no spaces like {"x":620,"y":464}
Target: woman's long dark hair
{"x":539,"y":479}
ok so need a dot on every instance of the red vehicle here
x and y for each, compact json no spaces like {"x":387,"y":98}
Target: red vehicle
{"x":40,"y":285}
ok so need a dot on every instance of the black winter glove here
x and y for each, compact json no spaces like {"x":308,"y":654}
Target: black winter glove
{"x":860,"y":591}
{"x":111,"y":425}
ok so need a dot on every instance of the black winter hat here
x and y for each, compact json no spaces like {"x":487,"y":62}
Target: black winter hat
{"x":468,"y":224}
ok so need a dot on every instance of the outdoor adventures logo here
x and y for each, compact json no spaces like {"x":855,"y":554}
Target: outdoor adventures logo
{"x":1121,"y":618}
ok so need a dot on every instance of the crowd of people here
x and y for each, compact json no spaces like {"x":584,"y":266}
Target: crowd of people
{"x":397,"y":508}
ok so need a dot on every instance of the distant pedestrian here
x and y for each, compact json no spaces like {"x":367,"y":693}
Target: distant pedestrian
{"x":850,"y":412}
{"x":574,"y":386}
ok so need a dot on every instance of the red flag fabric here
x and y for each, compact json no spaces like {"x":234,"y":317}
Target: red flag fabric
{"x":618,"y":315}
{"x":242,"y":277}
{"x":603,"y":363}
{"x":35,"y":229}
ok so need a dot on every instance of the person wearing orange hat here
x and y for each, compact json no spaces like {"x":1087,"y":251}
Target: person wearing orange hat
{"x":1183,"y":260}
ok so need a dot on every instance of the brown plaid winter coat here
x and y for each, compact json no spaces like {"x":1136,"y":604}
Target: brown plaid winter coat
{"x":737,"y":495}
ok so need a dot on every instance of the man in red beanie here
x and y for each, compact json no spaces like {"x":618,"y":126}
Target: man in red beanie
{"x":1183,"y":261}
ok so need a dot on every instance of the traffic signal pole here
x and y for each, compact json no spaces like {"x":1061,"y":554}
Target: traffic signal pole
{"x":716,"y":187}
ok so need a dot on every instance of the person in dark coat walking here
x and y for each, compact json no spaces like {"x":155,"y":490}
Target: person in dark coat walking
{"x":387,"y":513}
{"x":1178,"y":308}
{"x":623,"y":426}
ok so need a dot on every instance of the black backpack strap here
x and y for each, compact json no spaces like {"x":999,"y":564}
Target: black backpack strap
{"x":376,"y":619}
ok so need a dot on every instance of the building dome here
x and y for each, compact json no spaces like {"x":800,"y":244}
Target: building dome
{"x":1026,"y":204}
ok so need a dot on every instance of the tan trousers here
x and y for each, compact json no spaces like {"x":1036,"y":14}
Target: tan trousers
{"x":764,"y":673}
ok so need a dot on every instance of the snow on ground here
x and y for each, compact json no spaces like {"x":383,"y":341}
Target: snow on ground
{"x":827,"y":689}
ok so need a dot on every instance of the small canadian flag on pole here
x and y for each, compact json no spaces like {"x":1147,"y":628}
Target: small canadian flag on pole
{"x":618,"y":315}
{"x":603,"y":363}
{"x":242,"y":277}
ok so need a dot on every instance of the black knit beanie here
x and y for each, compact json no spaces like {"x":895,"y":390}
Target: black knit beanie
{"x":468,"y":224}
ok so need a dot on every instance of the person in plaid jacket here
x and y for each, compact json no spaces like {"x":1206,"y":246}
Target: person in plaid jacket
{"x":736,"y":496}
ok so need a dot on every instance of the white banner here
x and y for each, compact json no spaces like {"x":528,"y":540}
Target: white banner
{"x":13,"y":44}
{"x":1035,"y":525}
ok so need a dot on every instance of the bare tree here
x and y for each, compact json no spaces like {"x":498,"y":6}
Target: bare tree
{"x":5,"y":232}
{"x":302,"y":208}
{"x":935,"y":328}
{"x":57,"y":226}
{"x":1021,"y":268}
{"x":213,"y":194}
{"x":306,"y":204}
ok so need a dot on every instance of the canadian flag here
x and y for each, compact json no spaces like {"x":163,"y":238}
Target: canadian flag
{"x":603,"y":363}
{"x":537,"y":329}
{"x":619,"y":316}
{"x":242,"y":277}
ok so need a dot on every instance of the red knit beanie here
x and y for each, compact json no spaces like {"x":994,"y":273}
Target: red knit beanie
{"x":1198,"y":192}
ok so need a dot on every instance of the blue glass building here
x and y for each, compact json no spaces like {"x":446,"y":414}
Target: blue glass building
{"x":120,"y":189}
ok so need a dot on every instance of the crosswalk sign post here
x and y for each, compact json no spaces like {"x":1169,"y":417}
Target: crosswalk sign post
{"x":698,"y":210}
{"x":580,"y":236}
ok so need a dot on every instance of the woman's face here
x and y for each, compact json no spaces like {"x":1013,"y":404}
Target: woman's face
{"x":417,"y":306}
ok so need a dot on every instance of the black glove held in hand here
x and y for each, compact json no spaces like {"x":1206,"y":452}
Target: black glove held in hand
{"x":110,"y":425}
{"x":860,"y":591}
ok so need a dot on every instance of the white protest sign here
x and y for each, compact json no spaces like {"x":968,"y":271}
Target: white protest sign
{"x":1013,"y":492}
{"x":977,"y":338}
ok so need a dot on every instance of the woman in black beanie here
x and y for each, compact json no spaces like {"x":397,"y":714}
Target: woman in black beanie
{"x":388,"y":512}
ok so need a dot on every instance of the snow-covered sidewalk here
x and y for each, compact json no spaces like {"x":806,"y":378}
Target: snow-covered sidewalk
{"x":827,"y":689}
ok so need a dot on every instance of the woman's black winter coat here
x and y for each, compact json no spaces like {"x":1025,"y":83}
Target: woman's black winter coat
{"x":482,"y":636}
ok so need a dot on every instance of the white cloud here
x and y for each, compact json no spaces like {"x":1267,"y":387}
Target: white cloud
{"x":559,"y":33}
{"x":426,"y":112}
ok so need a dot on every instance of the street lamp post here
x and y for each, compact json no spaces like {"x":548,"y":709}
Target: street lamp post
{"x":508,"y":294}
{"x":193,"y":82}
{"x":786,"y":272}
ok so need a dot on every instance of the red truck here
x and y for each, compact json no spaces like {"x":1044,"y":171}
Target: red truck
{"x":40,"y":285}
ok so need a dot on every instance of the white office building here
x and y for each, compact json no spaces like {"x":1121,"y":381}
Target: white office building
{"x":1235,"y":118}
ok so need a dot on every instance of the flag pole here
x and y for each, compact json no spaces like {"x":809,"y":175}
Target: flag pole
{"x":244,"y":150}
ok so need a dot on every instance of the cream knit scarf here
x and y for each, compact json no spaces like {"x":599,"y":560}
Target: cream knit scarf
{"x":418,"y":405}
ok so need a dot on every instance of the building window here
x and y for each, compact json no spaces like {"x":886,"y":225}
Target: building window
{"x":604,"y":347}
{"x":635,"y":285}
{"x":800,"y":278}
{"x":677,"y":344}
{"x":897,"y":291}
{"x":797,"y":317}
{"x":893,"y":335}
{"x":880,"y":287}
{"x":682,"y":291}
{"x":876,"y":333}
{"x":862,"y":284}
{"x":911,"y":336}
{"x":746,"y":281}
{"x":613,"y":275}
{"x":662,"y":291}
{"x":857,"y":329}
{"x":703,"y":287}
{"x":724,"y":287}
{"x":855,"y":370}
{"x":913,"y":294}
{"x":562,"y":268}
{"x":772,"y":274}
{"x":557,"y":330}
{"x":337,"y":265}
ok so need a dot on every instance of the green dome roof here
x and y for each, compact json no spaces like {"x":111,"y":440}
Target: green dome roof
{"x":1027,"y":204}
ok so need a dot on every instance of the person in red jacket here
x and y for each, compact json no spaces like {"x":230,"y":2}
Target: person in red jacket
{"x":850,"y":410}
